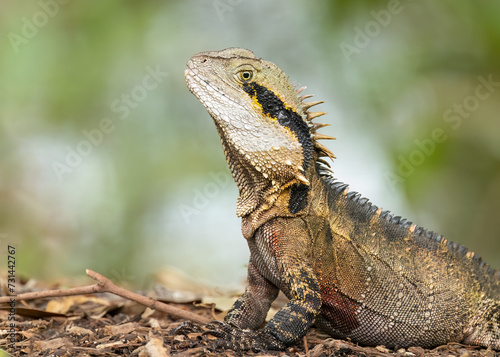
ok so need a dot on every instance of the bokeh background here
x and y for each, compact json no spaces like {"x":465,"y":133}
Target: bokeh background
{"x":108,"y":162}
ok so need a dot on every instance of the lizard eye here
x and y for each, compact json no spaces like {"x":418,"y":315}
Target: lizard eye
{"x":245,"y":75}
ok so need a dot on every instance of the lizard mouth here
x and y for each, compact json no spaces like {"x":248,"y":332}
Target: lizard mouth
{"x":194,"y":81}
{"x":200,"y":86}
{"x":196,"y":84}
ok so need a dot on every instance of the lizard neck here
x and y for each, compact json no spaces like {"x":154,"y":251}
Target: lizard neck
{"x":286,"y":199}
{"x":260,"y":186}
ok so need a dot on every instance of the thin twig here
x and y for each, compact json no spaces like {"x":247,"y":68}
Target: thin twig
{"x":32,"y":295}
{"x":108,"y":286}
{"x":104,"y":285}
{"x":306,"y":347}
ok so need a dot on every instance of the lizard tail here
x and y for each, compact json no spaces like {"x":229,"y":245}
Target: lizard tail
{"x":484,"y":329}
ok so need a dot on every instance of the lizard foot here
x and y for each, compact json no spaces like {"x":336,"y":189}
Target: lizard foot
{"x":185,"y":328}
{"x":232,"y":337}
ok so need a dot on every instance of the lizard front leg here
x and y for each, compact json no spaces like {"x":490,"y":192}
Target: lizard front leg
{"x":248,"y":313}
{"x":296,"y":279}
{"x":293,"y":320}
{"x":250,"y":310}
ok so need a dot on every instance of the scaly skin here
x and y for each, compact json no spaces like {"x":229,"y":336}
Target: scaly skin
{"x":345,"y":265}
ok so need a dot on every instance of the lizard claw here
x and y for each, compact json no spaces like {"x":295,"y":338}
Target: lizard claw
{"x":232,"y":337}
{"x":185,"y":328}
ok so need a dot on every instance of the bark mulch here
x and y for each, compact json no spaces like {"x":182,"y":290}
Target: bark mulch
{"x":104,"y":324}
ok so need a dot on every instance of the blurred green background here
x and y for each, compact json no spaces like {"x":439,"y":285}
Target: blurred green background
{"x":108,"y":162}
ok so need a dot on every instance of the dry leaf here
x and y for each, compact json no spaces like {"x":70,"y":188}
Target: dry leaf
{"x":52,"y":344}
{"x":79,"y":331}
{"x":147,"y":313}
{"x":110,"y":344}
{"x":32,"y":312}
{"x":112,"y":330}
{"x":155,"y":348}
{"x":64,"y":304}
{"x":382,"y":349}
{"x":222,"y":303}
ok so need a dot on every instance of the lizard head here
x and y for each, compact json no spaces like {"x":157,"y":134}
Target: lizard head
{"x":264,"y":125}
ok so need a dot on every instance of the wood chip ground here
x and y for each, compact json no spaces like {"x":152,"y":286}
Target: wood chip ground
{"x":104,"y":325}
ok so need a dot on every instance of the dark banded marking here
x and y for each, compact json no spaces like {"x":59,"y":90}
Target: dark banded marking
{"x":295,"y":318}
{"x":298,"y":197}
{"x":275,"y":108}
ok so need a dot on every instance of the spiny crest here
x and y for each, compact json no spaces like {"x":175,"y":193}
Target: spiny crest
{"x":363,"y":206}
{"x":310,"y":116}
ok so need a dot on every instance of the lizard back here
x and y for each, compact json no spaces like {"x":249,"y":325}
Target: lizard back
{"x":409,"y":286}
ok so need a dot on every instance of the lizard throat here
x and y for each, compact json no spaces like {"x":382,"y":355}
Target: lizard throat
{"x":274,"y":107}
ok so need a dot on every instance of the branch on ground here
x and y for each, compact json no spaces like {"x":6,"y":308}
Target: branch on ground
{"x":104,"y":285}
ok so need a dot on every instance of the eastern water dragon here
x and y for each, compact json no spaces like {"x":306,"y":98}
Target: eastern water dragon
{"x":345,"y":265}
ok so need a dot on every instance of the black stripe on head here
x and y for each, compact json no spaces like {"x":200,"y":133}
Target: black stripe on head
{"x":274,"y":107}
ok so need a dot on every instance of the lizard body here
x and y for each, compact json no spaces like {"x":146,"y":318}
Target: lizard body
{"x":343,"y":263}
